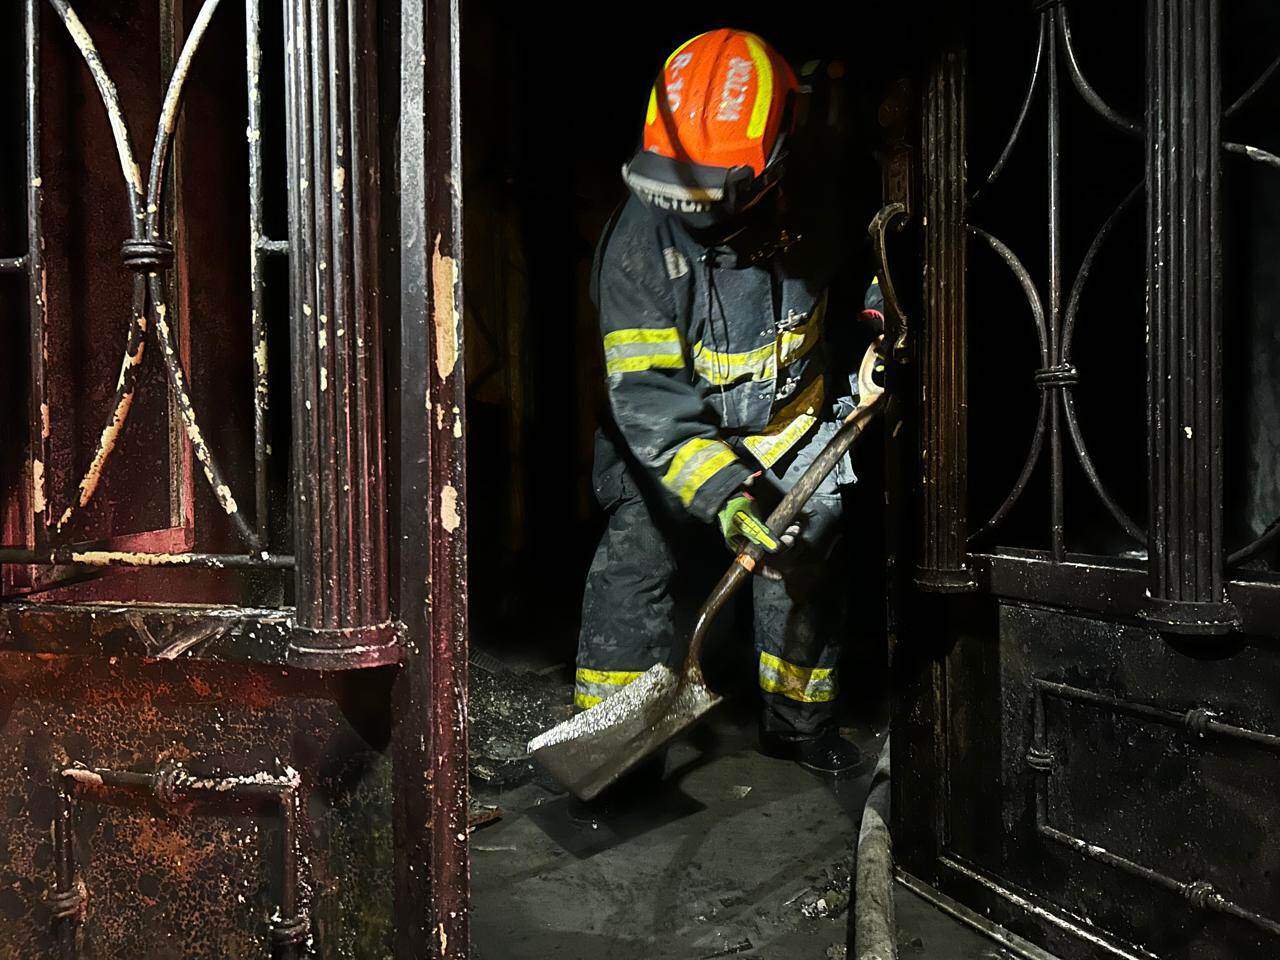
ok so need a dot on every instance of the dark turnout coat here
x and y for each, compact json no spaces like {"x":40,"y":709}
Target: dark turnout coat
{"x":719,"y":359}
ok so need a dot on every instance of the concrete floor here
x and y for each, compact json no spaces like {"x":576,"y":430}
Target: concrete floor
{"x":723,"y":858}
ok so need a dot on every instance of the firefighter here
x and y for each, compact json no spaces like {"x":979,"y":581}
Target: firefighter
{"x":712,"y":285}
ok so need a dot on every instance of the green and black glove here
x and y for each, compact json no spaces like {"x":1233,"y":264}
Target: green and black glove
{"x":741,"y":524}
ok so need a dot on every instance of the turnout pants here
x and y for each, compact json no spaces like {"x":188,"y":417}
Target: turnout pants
{"x":631,"y":616}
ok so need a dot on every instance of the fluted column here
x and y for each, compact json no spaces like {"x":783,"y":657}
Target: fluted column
{"x":339,"y":486}
{"x":944,"y":398}
{"x":1184,"y":304}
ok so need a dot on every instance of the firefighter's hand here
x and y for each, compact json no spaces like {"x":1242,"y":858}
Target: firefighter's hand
{"x":740,"y":522}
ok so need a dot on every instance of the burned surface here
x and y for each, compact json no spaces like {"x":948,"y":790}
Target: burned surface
{"x":182,"y":780}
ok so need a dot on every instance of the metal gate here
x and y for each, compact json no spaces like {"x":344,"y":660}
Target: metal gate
{"x":1087,"y":715}
{"x":232,"y":625}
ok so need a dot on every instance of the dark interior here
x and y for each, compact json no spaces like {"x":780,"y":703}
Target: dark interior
{"x":552,"y":109}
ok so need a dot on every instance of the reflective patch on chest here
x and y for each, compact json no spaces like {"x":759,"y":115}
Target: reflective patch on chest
{"x":676,"y":262}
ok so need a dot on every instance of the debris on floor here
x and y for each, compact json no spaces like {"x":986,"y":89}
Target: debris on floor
{"x":828,"y":895}
{"x":481,"y":814}
{"x":741,"y":946}
{"x":507,"y":709}
{"x":838,"y":951}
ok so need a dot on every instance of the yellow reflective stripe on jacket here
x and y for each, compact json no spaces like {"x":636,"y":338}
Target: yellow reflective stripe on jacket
{"x":762,"y":363}
{"x":593,"y":686}
{"x":804,"y":684}
{"x":721,"y":368}
{"x":788,"y":426}
{"x":696,"y":462}
{"x":794,"y":344}
{"x":629,"y":351}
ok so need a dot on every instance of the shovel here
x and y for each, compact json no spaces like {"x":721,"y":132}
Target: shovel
{"x":596,"y":747}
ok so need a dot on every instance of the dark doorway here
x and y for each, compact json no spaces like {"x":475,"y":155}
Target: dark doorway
{"x":734,"y":851}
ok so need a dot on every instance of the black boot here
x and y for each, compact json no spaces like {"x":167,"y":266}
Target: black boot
{"x":828,"y":754}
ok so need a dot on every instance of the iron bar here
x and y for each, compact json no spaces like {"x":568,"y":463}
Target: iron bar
{"x":1057,"y":534}
{"x":89,"y":556}
{"x":67,"y":903}
{"x":1197,"y":722}
{"x":1255,"y":154}
{"x":1091,"y":472}
{"x":32,"y":262}
{"x":275,"y":248}
{"x":13,"y":264}
{"x":1028,"y":286}
{"x":1086,"y":268}
{"x":1086,"y":89}
{"x":148,"y":254}
{"x":1248,"y":552}
{"x":261,"y":384}
{"x":1243,"y":100}
{"x":1024,"y":476}
{"x":1184,"y":280}
{"x":156,"y":256}
{"x":135,"y":344}
{"x":172,"y":784}
{"x":1016,"y":135}
{"x":1068,"y":400}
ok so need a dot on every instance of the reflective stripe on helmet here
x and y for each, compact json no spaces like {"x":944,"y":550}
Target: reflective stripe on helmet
{"x":764,"y":87}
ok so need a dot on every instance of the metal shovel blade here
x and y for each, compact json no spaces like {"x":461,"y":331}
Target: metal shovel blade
{"x":590,"y":751}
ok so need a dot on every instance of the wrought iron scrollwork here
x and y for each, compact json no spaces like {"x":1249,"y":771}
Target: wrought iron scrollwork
{"x":1057,"y":375}
{"x":149,"y":254}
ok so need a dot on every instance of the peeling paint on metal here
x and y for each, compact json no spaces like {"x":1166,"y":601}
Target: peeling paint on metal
{"x":444,"y":278}
{"x":450,"y":518}
{"x":110,"y":98}
{"x":339,"y":179}
{"x":37,"y":486}
{"x":133,"y":558}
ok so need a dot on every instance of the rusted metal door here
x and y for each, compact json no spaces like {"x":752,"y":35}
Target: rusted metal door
{"x":232,"y":623}
{"x":1087,"y":712}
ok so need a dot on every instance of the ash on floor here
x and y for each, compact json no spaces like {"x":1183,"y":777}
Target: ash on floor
{"x":508,"y":707}
{"x":729,"y":854}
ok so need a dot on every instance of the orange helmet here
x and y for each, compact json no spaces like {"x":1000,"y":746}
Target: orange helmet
{"x":713,"y":138}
